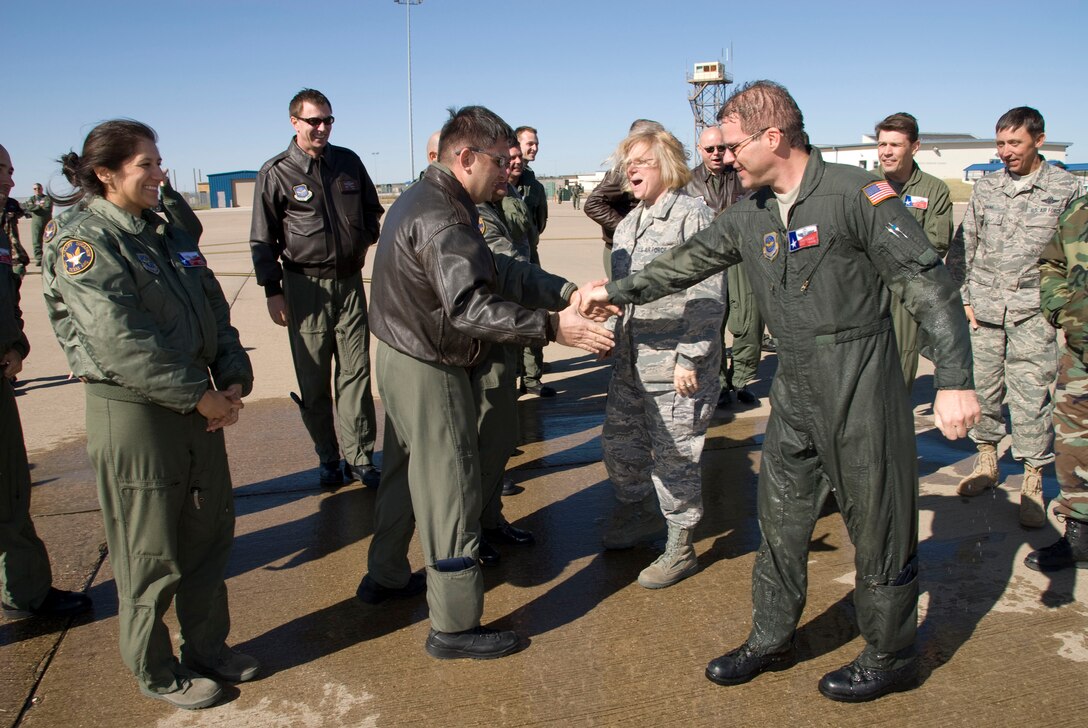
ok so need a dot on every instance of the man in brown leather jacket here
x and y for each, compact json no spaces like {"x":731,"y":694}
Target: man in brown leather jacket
{"x":435,"y":310}
{"x":315,"y":213}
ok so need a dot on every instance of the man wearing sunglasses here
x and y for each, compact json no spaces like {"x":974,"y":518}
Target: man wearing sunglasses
{"x":437,"y":309}
{"x":315,"y":212}
{"x":825,"y":246}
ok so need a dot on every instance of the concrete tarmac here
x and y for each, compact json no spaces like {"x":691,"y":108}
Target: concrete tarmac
{"x":1000,"y":644}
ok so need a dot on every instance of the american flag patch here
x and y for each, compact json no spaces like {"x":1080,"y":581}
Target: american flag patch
{"x":877,"y":192}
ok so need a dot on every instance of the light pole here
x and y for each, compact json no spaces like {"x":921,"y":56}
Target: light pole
{"x":408,"y":17}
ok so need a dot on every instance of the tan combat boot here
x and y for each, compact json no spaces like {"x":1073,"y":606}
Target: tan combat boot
{"x":984,"y":475}
{"x":1032,"y":508}
{"x":677,"y":563}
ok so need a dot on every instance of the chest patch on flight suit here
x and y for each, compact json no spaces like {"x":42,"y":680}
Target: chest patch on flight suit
{"x":192,"y":259}
{"x":50,"y":231}
{"x":149,"y":265}
{"x":877,"y":192}
{"x":347,"y":184}
{"x":918,"y":203}
{"x":770,"y":246}
{"x":302,"y":193}
{"x":480,"y":224}
{"x":5,"y":256}
{"x":78,"y":256}
{"x":806,"y":237}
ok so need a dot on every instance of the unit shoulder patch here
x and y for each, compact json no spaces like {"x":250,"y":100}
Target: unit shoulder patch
{"x":78,"y":257}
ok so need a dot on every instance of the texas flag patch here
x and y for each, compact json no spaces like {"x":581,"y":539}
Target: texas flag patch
{"x":878,"y":191}
{"x":806,"y":237}
{"x":5,"y":256}
{"x":918,"y":203}
{"x":192,"y":259}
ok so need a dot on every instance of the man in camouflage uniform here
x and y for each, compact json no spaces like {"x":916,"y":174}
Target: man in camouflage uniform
{"x":40,"y":207}
{"x":927,"y":199}
{"x":1063,"y":291}
{"x":1012,"y":214}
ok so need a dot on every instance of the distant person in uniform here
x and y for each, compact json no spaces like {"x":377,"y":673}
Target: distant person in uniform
{"x":40,"y":208}
{"x":144,"y":323}
{"x":315,"y":213}
{"x":1010,"y":218}
{"x":26,"y":580}
{"x":927,"y":199}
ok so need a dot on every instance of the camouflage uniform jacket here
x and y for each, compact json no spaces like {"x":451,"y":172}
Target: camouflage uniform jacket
{"x":1063,"y":268}
{"x":995,"y":253}
{"x":927,"y":199}
{"x":684,"y":327}
{"x":133,"y":304}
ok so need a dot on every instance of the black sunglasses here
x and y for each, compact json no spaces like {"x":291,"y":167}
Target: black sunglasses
{"x":316,"y":121}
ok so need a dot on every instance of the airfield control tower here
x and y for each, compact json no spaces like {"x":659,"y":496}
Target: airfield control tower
{"x":708,"y":82}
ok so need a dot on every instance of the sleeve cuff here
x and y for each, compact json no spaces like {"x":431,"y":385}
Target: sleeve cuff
{"x":274,"y":288}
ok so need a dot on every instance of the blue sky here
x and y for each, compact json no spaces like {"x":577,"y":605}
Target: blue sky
{"x":214,"y":78}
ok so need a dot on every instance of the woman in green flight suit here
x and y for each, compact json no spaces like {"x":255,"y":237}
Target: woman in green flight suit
{"x":146,"y":327}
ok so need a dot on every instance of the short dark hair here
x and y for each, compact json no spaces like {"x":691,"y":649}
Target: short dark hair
{"x":472,"y":126}
{"x":314,"y":96}
{"x":108,"y":145}
{"x":903,"y":123}
{"x":520,"y":129}
{"x":1022,"y":116}
{"x":763,"y":104}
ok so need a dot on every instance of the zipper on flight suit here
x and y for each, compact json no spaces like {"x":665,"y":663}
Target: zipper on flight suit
{"x":805,"y":283}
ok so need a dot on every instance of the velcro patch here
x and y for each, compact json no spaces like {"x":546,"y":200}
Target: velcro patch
{"x":5,"y":256}
{"x":78,"y":257}
{"x":192,"y":259}
{"x":50,"y":231}
{"x":918,"y":203}
{"x":877,"y":192}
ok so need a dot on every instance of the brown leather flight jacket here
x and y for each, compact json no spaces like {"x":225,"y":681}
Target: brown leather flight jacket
{"x":434,"y":292}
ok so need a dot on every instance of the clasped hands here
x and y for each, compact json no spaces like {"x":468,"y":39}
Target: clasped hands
{"x":583,"y":331}
{"x":221,"y":407}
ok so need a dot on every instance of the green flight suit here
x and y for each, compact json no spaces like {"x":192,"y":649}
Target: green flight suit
{"x":24,"y":563}
{"x":840,"y":413}
{"x":144,"y":323}
{"x":928,"y":201}
{"x":535,"y":200}
{"x":40,"y":208}
{"x":494,"y":380}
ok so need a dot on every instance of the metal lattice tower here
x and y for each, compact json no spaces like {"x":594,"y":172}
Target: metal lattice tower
{"x":708,"y":93}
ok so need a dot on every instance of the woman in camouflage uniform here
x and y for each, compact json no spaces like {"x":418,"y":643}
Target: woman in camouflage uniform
{"x":664,"y":378}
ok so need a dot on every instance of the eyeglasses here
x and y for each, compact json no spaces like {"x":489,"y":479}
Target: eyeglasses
{"x":719,"y":148}
{"x":502,"y":162}
{"x":734,"y":148}
{"x":316,"y":121}
{"x":640,"y":163}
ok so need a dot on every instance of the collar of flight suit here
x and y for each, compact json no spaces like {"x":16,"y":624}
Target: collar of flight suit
{"x":123,"y":219}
